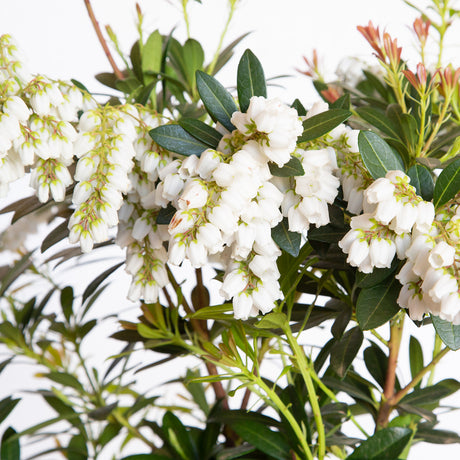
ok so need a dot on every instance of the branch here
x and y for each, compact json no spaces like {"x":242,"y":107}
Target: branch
{"x":118,"y":73}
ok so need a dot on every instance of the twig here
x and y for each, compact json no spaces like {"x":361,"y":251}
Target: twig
{"x":118,"y":73}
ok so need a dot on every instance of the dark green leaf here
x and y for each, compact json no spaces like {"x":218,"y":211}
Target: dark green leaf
{"x":98,"y":280}
{"x":175,"y":139}
{"x":447,"y":184}
{"x":10,"y":449}
{"x":79,"y":85}
{"x":344,"y":351}
{"x":201,"y":131}
{"x":377,"y":118}
{"x":376,"y":362}
{"x":319,"y":125}
{"x":377,"y":155}
{"x":67,"y":298}
{"x":146,"y":457}
{"x":415,"y":356}
{"x":420,"y":178}
{"x":136,"y":61}
{"x":432,"y":394}
{"x":377,"y":305}
{"x":108,"y":79}
{"x":166,"y":214}
{"x":3,"y":365}
{"x":292,"y":168}
{"x":178,"y":437}
{"x":217,"y":100}
{"x":286,"y":240}
{"x":151,"y":56}
{"x":144,"y":95}
{"x":250,"y":79}
{"x":409,"y":127}
{"x":56,"y":235}
{"x":259,"y":435}
{"x":101,"y":413}
{"x":6,"y":406}
{"x":378,"y":275}
{"x":196,"y":389}
{"x":226,"y":54}
{"x":129,"y":85}
{"x":77,"y":449}
{"x":341,"y":322}
{"x":301,"y":110}
{"x":448,"y":332}
{"x":17,"y":270}
{"x":110,"y":431}
{"x":436,"y":436}
{"x":343,"y":102}
{"x":327,"y":233}
{"x":385,"y":444}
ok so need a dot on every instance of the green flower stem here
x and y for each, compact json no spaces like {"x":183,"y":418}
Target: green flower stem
{"x":186,"y":18}
{"x":306,"y":370}
{"x":421,"y":136}
{"x":120,"y":418}
{"x":436,"y":349}
{"x":429,"y":367}
{"x":437,"y":126}
{"x":276,"y":401}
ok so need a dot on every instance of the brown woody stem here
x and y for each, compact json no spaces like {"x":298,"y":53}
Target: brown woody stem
{"x":118,"y":73}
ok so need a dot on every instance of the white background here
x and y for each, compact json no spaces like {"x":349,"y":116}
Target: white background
{"x":58,"y":40}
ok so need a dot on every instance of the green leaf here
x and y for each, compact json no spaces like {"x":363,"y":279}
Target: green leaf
{"x":367,"y":280}
{"x":165,"y":215}
{"x":250,"y":79}
{"x":178,"y":437}
{"x":77,"y":448}
{"x":421,"y":179}
{"x":197,"y":390}
{"x":343,"y":102}
{"x":193,"y":56}
{"x":377,"y":155}
{"x":292,"y":168}
{"x":10,"y":450}
{"x":67,"y":298}
{"x":65,"y":379}
{"x":301,"y":111}
{"x":259,"y":435}
{"x":286,"y":240}
{"x":447,"y":184}
{"x":18,"y":269}
{"x":151,"y":56}
{"x":436,"y":436}
{"x":201,"y":131}
{"x":274,"y":320}
{"x":6,"y":406}
{"x":319,"y":125}
{"x":175,"y":139}
{"x":98,"y":280}
{"x":327,"y":233}
{"x":135,"y":57}
{"x":415,"y":357}
{"x":377,"y":305}
{"x":385,"y":444}
{"x":344,"y":351}
{"x":146,"y":457}
{"x":56,"y":235}
{"x":376,"y":362}
{"x":217,"y":100}
{"x":432,"y":394}
{"x":226,"y":54}
{"x":448,"y":332}
{"x":214,"y":312}
{"x":377,"y":118}
{"x":79,"y":85}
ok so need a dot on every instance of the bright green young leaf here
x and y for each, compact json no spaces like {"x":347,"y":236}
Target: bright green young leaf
{"x":319,"y":125}
{"x":448,"y":332}
{"x":272,"y":321}
{"x":377,"y":305}
{"x":151,"y":56}
{"x":286,"y":240}
{"x":10,"y":449}
{"x":217,"y":100}
{"x":201,"y":131}
{"x":385,"y":444}
{"x":193,"y":56}
{"x":344,"y":351}
{"x":175,"y":139}
{"x":65,"y":379}
{"x":250,"y":79}
{"x":292,"y":168}
{"x":178,"y":437}
{"x":421,"y":179}
{"x":447,"y":184}
{"x":377,"y":155}
{"x":259,"y":435}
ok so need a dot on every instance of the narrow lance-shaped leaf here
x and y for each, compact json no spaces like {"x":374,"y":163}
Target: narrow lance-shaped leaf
{"x":344,"y":351}
{"x":377,"y":155}
{"x":217,"y":100}
{"x":292,"y":168}
{"x":10,"y":449}
{"x":250,"y":79}
{"x":175,"y":139}
{"x":447,"y":185}
{"x":319,"y":125}
{"x":201,"y":131}
{"x":420,"y":178}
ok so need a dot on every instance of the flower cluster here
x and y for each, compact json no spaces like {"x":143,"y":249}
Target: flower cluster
{"x":431,"y":272}
{"x":392,"y":209}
